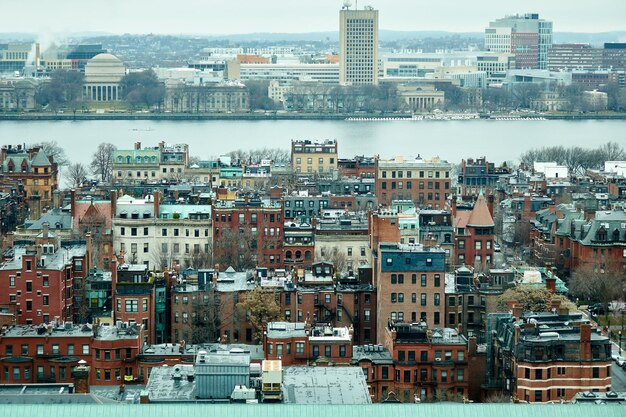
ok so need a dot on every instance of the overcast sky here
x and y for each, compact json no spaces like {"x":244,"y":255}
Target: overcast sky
{"x":247,"y":16}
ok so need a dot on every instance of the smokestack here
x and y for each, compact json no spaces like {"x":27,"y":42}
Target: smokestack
{"x":157,"y":202}
{"x":73,"y":202}
{"x":34,"y":204}
{"x":113,"y":198}
{"x":56,"y":198}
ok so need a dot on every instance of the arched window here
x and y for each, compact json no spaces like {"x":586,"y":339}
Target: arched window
{"x":128,"y":159}
{"x":288,"y":254}
{"x":298,"y":254}
{"x":119,"y":159}
{"x":307,"y":255}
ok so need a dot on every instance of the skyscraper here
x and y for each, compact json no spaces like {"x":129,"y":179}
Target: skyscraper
{"x":526,"y":36}
{"x":358,"y":46}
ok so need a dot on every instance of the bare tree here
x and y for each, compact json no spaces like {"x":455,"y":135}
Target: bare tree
{"x":76,"y":175}
{"x":599,"y":283}
{"x":102,"y":161}
{"x":52,"y":148}
{"x":336,"y":256}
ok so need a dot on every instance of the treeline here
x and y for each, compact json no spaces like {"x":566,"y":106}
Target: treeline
{"x":255,"y":156}
{"x":575,"y":158}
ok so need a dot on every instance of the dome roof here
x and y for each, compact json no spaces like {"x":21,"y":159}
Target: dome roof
{"x":105,"y":57}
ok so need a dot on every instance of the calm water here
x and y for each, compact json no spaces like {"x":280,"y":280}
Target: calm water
{"x":451,"y":140}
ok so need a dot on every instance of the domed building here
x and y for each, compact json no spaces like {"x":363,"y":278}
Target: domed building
{"x":103,"y":74}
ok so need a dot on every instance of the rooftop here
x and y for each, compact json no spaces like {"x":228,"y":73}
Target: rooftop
{"x":325,"y":385}
{"x":53,"y":261}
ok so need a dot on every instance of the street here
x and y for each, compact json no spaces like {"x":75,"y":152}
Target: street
{"x":618,"y":378}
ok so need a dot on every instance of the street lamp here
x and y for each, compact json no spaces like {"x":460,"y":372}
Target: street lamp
{"x":619,"y":341}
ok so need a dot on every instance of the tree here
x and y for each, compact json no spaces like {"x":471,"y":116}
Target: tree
{"x":65,"y":89}
{"x":259,"y":96}
{"x":102,"y":161}
{"x":261,"y":308}
{"x":236,"y":248}
{"x":52,"y":148}
{"x":598,"y":285}
{"x":206,"y":317}
{"x":142,"y":88}
{"x":531,"y":298}
{"x":76,"y":175}
{"x":338,"y":258}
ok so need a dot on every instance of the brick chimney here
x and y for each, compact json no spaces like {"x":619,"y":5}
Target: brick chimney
{"x":45,"y":229}
{"x":551,"y":284}
{"x":73,"y":202}
{"x":157,"y":203}
{"x":113,"y":197}
{"x":34,"y":205}
{"x":138,"y":146}
{"x":453,"y":207}
{"x":89,"y":244}
{"x":81,"y":380}
{"x":472,"y":346}
{"x":585,"y":341}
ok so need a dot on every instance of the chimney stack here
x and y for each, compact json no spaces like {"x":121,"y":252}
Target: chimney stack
{"x":56,"y":198}
{"x":73,"y":202}
{"x":157,"y":202}
{"x":34,"y":205}
{"x":585,"y":341}
{"x":137,"y":146}
{"x":113,"y":197}
{"x":45,"y":228}
{"x":81,"y":379}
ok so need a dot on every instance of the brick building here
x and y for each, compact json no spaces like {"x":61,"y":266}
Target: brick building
{"x":474,"y":234}
{"x":479,"y":174}
{"x":50,"y":353}
{"x":426,"y":183}
{"x":360,"y":167}
{"x":409,"y":285}
{"x":306,"y":344}
{"x":429,"y":363}
{"x":37,"y":171}
{"x":39,"y":277}
{"x":254,"y":225}
{"x":546,"y":357}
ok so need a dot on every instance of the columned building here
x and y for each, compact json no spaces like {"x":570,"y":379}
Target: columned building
{"x":103,"y":74}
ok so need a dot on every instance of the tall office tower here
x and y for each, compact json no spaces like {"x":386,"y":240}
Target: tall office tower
{"x":526,"y":36}
{"x":358,"y":46}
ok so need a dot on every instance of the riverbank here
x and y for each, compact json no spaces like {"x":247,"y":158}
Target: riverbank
{"x":282,"y":116}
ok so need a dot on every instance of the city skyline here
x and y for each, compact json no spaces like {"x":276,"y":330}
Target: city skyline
{"x":213,"y":18}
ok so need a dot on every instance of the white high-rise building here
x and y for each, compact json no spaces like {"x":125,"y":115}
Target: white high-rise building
{"x":358,"y":46}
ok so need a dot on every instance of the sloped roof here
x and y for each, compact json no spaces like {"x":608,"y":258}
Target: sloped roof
{"x":41,"y":160}
{"x":481,"y":217}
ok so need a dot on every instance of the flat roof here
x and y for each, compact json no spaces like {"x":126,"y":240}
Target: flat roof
{"x":325,"y":385}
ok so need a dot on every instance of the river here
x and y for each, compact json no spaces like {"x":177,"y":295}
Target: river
{"x":451,"y":140}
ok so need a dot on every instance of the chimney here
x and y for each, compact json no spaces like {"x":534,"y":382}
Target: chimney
{"x":585,"y":341}
{"x":45,"y":228}
{"x":518,"y":311}
{"x":472,"y":346}
{"x":551,"y":284}
{"x":56,"y":198}
{"x":527,"y":209}
{"x":157,"y":202}
{"x":34,"y":205}
{"x":73,"y":202}
{"x":89,"y":243}
{"x":490,"y":200}
{"x":137,"y":146}
{"x":4,"y":154}
{"x":81,"y":379}
{"x":453,"y":207}
{"x":113,"y":197}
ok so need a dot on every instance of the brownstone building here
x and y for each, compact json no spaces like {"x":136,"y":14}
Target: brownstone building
{"x":33,"y":167}
{"x":410,"y":285}
{"x":475,"y":235}
{"x":39,"y":276}
{"x":426,"y":183}
{"x":253,"y":225}
{"x":306,"y":344}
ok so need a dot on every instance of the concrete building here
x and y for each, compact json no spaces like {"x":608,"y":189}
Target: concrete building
{"x":150,"y":164}
{"x":289,"y":73}
{"x":314,"y":157}
{"x":18,"y":94}
{"x":103,"y":74}
{"x":358,"y":46}
{"x":421,"y":97}
{"x":14,"y":56}
{"x":218,"y":97}
{"x":526,"y":36}
{"x":574,"y":56}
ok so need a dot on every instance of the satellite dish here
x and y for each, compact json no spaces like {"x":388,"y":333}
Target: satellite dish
{"x":347,"y":4}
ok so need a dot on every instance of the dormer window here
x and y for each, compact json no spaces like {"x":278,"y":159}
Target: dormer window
{"x":601,"y":234}
{"x":135,"y":214}
{"x":124,"y":214}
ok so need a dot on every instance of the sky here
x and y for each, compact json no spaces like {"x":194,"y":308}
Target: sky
{"x":218,"y":17}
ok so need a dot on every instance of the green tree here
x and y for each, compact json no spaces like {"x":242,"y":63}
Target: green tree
{"x":261,"y":308}
{"x":63,"y":90}
{"x":142,"y":89}
{"x":531,"y":298}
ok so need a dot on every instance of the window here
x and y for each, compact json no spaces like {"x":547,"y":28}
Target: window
{"x":145,"y":304}
{"x":423,"y":280}
{"x":46,"y":280}
{"x":460,"y":374}
{"x":423,"y":299}
{"x":478,"y":245}
{"x":132,"y":306}
{"x":437,"y":280}
{"x":85,"y":349}
{"x":437,"y":299}
{"x":299,"y":348}
{"x":46,"y":300}
{"x":327,"y":351}
{"x":401,"y":297}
